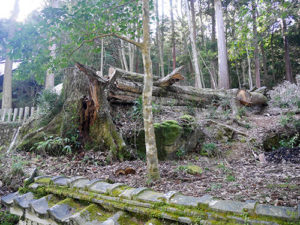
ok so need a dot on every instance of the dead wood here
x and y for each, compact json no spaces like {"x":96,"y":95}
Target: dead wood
{"x":170,"y":79}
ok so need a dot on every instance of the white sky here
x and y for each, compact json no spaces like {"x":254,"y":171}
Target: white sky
{"x":26,"y":7}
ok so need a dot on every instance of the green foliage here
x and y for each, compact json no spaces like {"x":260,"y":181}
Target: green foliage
{"x":50,"y":105}
{"x":17,"y":166}
{"x":137,"y":109}
{"x":290,"y":143}
{"x":56,"y":145}
{"x":8,"y":219}
{"x":285,"y":95}
{"x":287,"y":119}
{"x":210,"y":150}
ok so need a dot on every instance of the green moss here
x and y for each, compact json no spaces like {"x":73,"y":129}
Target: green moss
{"x":95,"y":213}
{"x":117,"y":191}
{"x":44,"y":180}
{"x":169,"y":131}
{"x":126,"y":220}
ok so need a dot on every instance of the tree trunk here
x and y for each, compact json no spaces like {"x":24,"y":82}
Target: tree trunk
{"x":272,"y":58}
{"x":151,"y":150}
{"x":7,"y":82}
{"x":159,"y":42}
{"x":102,"y":56}
{"x":131,"y":49}
{"x":244,"y":72}
{"x":173,"y":35}
{"x":214,"y":42}
{"x":265,"y":66}
{"x":124,"y":55}
{"x":222,"y":50}
{"x":96,"y":125}
{"x":256,"y":52}
{"x":198,"y":83}
{"x":249,"y":69}
{"x":288,"y":67}
{"x":50,"y":77}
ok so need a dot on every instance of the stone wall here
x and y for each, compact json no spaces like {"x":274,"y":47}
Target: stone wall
{"x":79,"y":201}
{"x":7,"y":131}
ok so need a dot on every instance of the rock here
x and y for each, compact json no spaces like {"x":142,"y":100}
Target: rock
{"x":192,"y":169}
{"x":262,"y":158}
{"x":173,"y":139}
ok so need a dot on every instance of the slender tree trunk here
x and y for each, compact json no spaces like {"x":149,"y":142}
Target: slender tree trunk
{"x":102,"y":56}
{"x":244,"y":72}
{"x":198,"y":83}
{"x":288,"y":67}
{"x":201,"y":21}
{"x":249,"y":70}
{"x":159,"y":42}
{"x":273,"y":61}
{"x":173,"y":35}
{"x":265,"y":66}
{"x":7,"y":82}
{"x":50,"y":77}
{"x":151,"y":150}
{"x":131,"y":52}
{"x":256,"y":51}
{"x":214,"y":41}
{"x":237,"y":74}
{"x":222,"y":50}
{"x":124,"y":55}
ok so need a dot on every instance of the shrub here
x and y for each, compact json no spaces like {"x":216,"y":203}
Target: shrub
{"x":210,"y":150}
{"x":8,"y":219}
{"x":50,"y":104}
{"x":285,"y":95}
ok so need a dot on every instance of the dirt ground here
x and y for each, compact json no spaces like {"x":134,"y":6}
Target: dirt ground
{"x":236,"y":176}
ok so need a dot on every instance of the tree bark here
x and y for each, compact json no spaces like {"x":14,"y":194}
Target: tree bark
{"x":222,"y":50}
{"x":159,"y":42}
{"x":124,"y":55}
{"x":198,"y":83}
{"x":173,"y":35}
{"x":264,"y":58}
{"x":151,"y":150}
{"x":7,"y":82}
{"x":256,"y":51}
{"x":50,"y":77}
{"x":96,"y":125}
{"x":287,"y":61}
{"x":249,"y":69}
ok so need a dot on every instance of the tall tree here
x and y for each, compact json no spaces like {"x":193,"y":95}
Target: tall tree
{"x":7,"y":82}
{"x":49,"y":79}
{"x":223,"y":75}
{"x":159,"y":41}
{"x":173,"y":35}
{"x":256,"y":50}
{"x":287,"y":60}
{"x":192,"y":28}
{"x":151,"y":150}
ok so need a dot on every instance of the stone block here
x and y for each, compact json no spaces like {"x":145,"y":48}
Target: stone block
{"x":127,"y":193}
{"x":231,"y":206}
{"x":114,"y":187}
{"x":100,"y":187}
{"x":23,"y":201}
{"x":80,"y":183}
{"x":41,"y":206}
{"x":277,"y":211}
{"x":62,"y":181}
{"x":9,"y":199}
{"x":150,"y":196}
{"x":62,"y":211}
{"x":138,"y":191}
{"x":191,"y":201}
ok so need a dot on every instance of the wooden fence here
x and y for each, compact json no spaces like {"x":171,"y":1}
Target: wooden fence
{"x":17,"y":114}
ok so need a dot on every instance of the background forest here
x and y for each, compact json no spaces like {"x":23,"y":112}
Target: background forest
{"x":262,"y":40}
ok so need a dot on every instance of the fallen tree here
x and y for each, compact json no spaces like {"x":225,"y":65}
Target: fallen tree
{"x":128,"y":87}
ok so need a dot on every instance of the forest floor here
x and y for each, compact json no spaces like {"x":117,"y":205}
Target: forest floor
{"x":238,"y":176}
